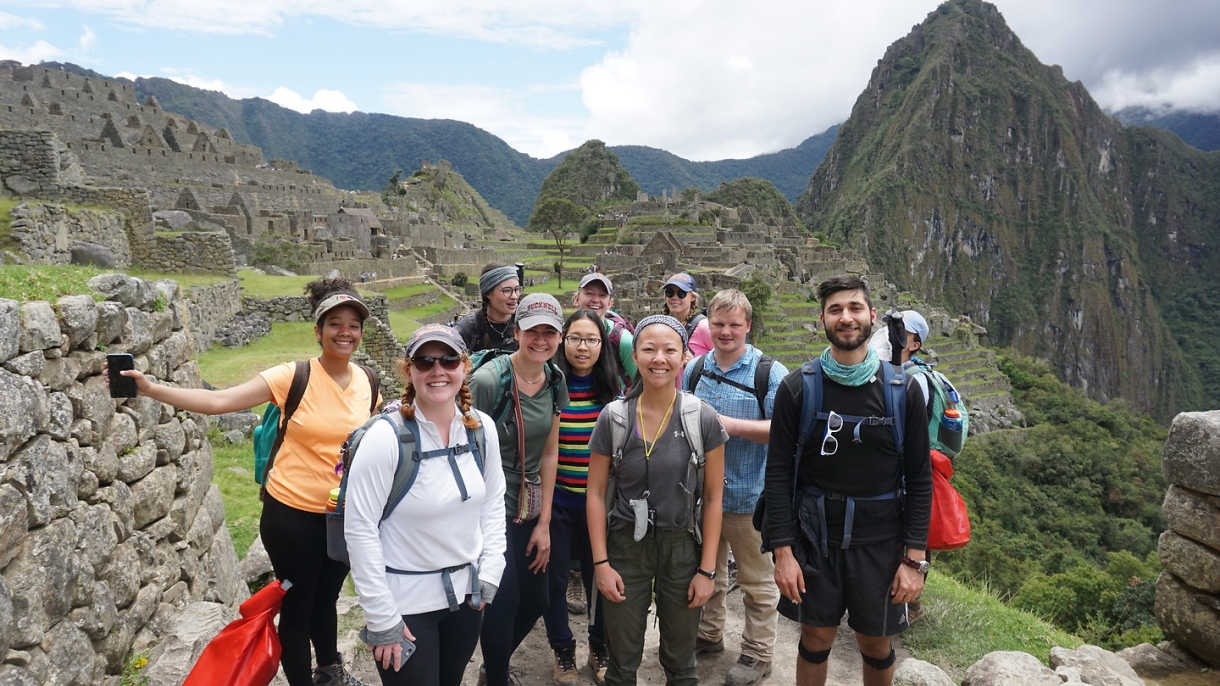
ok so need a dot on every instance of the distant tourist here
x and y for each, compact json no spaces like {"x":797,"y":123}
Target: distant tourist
{"x":592,"y":377}
{"x":339,"y":397}
{"x":869,"y":565}
{"x":728,"y":380}
{"x":655,"y":530}
{"x":447,"y":534}
{"x":529,"y":449}
{"x":491,"y":326}
{"x":596,"y":293}
{"x":682,"y":303}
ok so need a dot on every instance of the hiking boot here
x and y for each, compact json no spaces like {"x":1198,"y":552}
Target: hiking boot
{"x":334,"y":675}
{"x":706,"y":647}
{"x":576,"y":595}
{"x":748,"y":670}
{"x":565,"y":664}
{"x":599,"y":661}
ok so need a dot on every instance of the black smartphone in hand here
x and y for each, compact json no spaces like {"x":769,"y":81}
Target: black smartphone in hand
{"x":121,"y":386}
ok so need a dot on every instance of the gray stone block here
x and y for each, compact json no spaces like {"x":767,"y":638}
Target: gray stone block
{"x":153,"y":496}
{"x":24,"y":411}
{"x":30,"y":364}
{"x":77,"y":317}
{"x":10,"y":329}
{"x":1190,"y":617}
{"x":1095,"y":666}
{"x":1192,"y":452}
{"x":39,"y":327}
{"x":44,"y":471}
{"x":39,"y":579}
{"x":196,"y":626}
{"x":111,"y":318}
{"x":1004,"y":668}
{"x":1193,"y":515}
{"x":92,"y":254}
{"x":117,"y":287}
{"x":1151,"y":662}
{"x":1195,"y":564}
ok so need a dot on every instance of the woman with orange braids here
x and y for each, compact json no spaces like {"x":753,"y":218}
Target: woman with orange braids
{"x":425,"y":572}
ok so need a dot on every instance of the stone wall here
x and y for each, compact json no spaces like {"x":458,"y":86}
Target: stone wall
{"x":210,"y":308}
{"x":1188,"y":591}
{"x":47,"y":233}
{"x":208,"y":252}
{"x":351,"y":268}
{"x":29,"y":161}
{"x":109,"y":524}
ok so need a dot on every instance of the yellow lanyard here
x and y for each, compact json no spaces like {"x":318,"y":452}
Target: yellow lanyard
{"x":639,"y":411}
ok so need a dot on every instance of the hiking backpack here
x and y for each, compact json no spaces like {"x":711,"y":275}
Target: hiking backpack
{"x":944,"y":396}
{"x":620,"y":427}
{"x":504,"y":386}
{"x":894,"y":381}
{"x":269,"y":434}
{"x":615,"y":339}
{"x":762,"y":379}
{"x":409,"y":458}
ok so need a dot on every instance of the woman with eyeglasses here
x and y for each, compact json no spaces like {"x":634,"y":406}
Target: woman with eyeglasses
{"x":524,"y":394}
{"x":446,"y":534}
{"x":593,"y":380}
{"x":654,"y":530}
{"x":682,"y":303}
{"x":491,"y":326}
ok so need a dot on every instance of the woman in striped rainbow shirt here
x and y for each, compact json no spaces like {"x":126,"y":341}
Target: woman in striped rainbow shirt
{"x":593,"y":381}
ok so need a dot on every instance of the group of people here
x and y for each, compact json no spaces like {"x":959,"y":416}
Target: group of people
{"x":570,"y":441}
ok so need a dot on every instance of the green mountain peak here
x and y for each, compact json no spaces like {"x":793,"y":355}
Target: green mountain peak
{"x":590,"y":176}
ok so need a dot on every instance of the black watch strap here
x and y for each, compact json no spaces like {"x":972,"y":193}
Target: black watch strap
{"x":704,"y":572}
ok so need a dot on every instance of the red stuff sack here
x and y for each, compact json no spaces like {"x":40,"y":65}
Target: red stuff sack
{"x":950,"y":527}
{"x":247,"y":651}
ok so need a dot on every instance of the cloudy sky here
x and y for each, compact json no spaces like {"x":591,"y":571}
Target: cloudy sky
{"x":707,"y":79}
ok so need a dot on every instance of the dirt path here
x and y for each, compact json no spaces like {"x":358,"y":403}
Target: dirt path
{"x":535,"y":659}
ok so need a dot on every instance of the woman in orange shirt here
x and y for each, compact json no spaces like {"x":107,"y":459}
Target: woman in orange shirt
{"x":338,"y":398}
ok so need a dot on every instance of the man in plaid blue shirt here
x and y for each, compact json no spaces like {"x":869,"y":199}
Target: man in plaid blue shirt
{"x":727,"y":371}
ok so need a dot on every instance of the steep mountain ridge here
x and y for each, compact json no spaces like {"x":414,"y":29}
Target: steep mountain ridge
{"x":973,"y":174}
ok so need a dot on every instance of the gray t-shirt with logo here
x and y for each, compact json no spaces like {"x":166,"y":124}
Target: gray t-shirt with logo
{"x":666,"y":467}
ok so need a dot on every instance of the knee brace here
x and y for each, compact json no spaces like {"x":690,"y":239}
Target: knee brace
{"x":879,"y":665}
{"x":810,"y":656}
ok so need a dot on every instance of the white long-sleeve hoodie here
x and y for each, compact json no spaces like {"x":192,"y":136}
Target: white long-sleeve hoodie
{"x":432,"y":528}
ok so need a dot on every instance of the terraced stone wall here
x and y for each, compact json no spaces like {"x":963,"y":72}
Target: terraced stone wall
{"x":47,"y":233}
{"x":109,"y":524}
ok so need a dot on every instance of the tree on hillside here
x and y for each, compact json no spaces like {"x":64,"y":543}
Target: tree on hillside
{"x":393,"y":189}
{"x":557,"y":216}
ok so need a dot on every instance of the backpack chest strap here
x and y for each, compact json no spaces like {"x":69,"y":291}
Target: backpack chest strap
{"x":452,"y":454}
{"x":447,"y":582}
{"x":859,"y":422}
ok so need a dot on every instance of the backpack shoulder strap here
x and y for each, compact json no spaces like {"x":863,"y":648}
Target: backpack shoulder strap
{"x":504,"y":387}
{"x":556,"y":380}
{"x":404,"y":473}
{"x":619,"y":418}
{"x":691,"y":407}
{"x":374,"y":387}
{"x":895,"y":381}
{"x":696,"y":371}
{"x":762,"y":383}
{"x":300,"y":379}
{"x":477,"y":438}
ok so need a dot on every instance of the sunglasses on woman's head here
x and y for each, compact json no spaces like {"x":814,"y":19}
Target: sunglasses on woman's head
{"x":675,"y":293}
{"x":424,"y":362}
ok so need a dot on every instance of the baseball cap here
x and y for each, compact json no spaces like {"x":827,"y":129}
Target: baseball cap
{"x":539,"y":308}
{"x":682,"y":280}
{"x":595,"y":276}
{"x":438,"y":333}
{"x":914,"y":323}
{"x":336,"y":300}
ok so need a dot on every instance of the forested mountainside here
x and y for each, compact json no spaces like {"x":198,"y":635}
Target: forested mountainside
{"x":1197,"y":129}
{"x":980,"y":178}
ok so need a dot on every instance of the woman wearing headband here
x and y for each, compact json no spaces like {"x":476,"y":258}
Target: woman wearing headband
{"x":447,"y":532}
{"x":491,"y":326}
{"x":339,"y":396}
{"x":643,"y":532}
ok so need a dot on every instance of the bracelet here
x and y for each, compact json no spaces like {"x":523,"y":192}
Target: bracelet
{"x":602,"y":562}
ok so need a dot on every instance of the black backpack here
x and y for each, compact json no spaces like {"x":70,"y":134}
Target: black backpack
{"x":762,"y":379}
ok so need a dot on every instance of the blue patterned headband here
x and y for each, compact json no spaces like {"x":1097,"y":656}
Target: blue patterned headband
{"x":496,"y":277}
{"x":660,"y":319}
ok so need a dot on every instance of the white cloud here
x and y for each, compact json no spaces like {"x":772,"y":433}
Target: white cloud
{"x":499,"y":111}
{"x":12,"y":21}
{"x":39,"y":51}
{"x":330,"y":101}
{"x":88,"y":39}
{"x":185,"y":77}
{"x":556,"y":24}
{"x":1195,"y":87}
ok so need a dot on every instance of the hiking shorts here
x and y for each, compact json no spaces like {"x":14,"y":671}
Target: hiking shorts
{"x":856,"y":581}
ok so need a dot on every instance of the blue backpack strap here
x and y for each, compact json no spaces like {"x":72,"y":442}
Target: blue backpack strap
{"x":895,"y":381}
{"x":408,"y":462}
{"x":504,"y":387}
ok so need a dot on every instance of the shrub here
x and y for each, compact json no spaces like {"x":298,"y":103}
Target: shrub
{"x":460,"y":279}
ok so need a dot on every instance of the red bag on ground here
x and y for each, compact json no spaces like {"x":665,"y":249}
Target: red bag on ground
{"x":950,"y":527}
{"x":247,"y":651}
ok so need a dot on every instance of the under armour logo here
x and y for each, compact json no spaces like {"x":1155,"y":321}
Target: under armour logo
{"x":679,"y":434}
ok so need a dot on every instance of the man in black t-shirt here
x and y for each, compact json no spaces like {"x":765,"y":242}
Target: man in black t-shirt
{"x":847,"y":541}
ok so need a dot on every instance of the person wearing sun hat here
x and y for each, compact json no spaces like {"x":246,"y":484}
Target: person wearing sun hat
{"x":491,"y":326}
{"x":528,"y":433}
{"x":452,"y":521}
{"x":596,"y":293}
{"x":339,"y":396}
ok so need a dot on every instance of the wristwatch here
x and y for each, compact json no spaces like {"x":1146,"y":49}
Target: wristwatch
{"x":921,"y":566}
{"x":711,"y":575}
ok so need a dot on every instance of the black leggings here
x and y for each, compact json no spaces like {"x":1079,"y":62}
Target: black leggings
{"x":296,"y":543}
{"x":444,"y":642}
{"x":520,"y":600}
